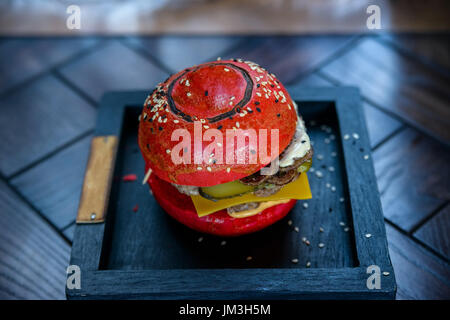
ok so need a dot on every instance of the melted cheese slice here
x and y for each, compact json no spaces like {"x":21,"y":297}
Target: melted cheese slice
{"x":298,"y":189}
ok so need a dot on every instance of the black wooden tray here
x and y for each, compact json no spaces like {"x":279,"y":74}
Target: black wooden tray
{"x":146,"y":254}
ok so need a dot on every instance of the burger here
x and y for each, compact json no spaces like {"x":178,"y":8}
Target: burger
{"x":225,"y":149}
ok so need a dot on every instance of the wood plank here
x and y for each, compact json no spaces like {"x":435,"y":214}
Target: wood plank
{"x":289,"y":57}
{"x":113,"y":67}
{"x":226,"y":284}
{"x":432,"y":49}
{"x":179,"y":52}
{"x":412,"y":172}
{"x":97,"y":180}
{"x":435,"y":232}
{"x":21,"y":59}
{"x":36,"y":120}
{"x":116,"y":18}
{"x":54,"y":186}
{"x":397,"y":84}
{"x":379,"y":124}
{"x":418,"y":273}
{"x":70,"y":231}
{"x":33,"y":256}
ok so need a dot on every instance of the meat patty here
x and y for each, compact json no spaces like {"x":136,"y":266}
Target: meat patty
{"x":282,"y":177}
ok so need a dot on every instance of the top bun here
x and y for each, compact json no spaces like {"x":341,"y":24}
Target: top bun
{"x":228,"y":94}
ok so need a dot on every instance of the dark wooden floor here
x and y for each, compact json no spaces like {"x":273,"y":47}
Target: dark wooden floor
{"x":49,"y":89}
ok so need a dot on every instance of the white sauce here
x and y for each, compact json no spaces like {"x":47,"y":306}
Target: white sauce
{"x":296,"y":149}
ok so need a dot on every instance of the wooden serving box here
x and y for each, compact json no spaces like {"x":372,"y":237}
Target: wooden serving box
{"x":145,"y":254}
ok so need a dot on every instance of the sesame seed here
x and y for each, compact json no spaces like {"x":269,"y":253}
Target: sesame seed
{"x":223,"y":243}
{"x":346,"y":136}
{"x":296,"y":229}
{"x":321,"y":229}
{"x":355,"y":136}
{"x":228,"y":170}
{"x":320,"y":157}
{"x":305,"y":205}
{"x":226,"y":69}
{"x":258,"y":109}
{"x":168,"y":151}
{"x":342,"y":223}
{"x":331,"y":168}
{"x":319,"y":174}
{"x":219,"y":58}
{"x":206,"y":127}
{"x":368,"y":235}
{"x":346,"y":229}
{"x":290,"y":223}
{"x":333,"y":154}
{"x":248,"y":258}
{"x":366,"y":157}
{"x":308,"y":264}
{"x":188,"y":94}
{"x":176,"y":121}
{"x":333,"y":188}
{"x":304,"y":239}
{"x":208,"y":168}
{"x":385,"y":273}
{"x":341,"y":199}
{"x":219,"y":144}
{"x":321,"y":245}
{"x":258,"y":94}
{"x":200,"y":239}
{"x":328,"y":185}
{"x":237,"y":124}
{"x":294,"y":260}
{"x":307,"y":242}
{"x":199,"y":168}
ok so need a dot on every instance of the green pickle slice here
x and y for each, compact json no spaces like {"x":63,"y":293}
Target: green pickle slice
{"x":225,"y":190}
{"x":305,"y":166}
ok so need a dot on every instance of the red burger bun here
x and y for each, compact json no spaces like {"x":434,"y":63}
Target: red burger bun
{"x":181,"y":208}
{"x":227,"y":94}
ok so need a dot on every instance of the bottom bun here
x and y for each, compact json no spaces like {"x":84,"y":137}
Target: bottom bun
{"x":181,"y":208}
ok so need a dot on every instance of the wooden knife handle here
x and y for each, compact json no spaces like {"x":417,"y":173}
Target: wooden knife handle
{"x":97,"y":180}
